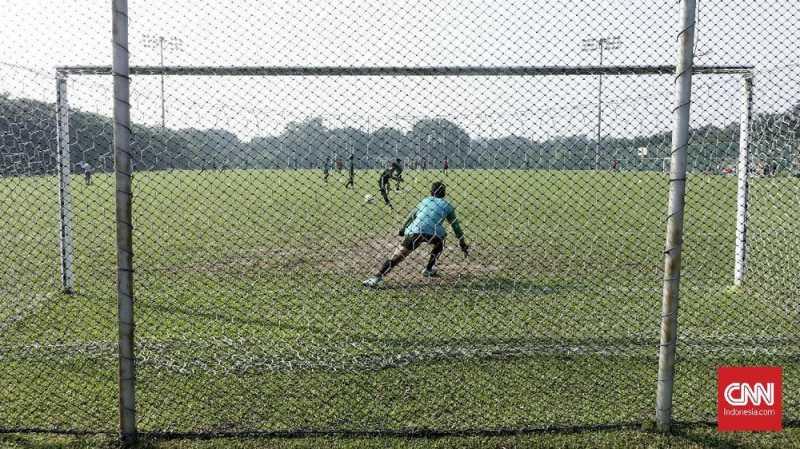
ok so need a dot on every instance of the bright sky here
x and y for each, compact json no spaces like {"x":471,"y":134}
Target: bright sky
{"x":38,"y":35}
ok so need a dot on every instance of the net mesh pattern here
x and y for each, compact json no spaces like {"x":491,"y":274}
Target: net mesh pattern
{"x":259,"y":211}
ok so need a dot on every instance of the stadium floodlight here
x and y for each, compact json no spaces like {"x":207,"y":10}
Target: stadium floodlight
{"x":172,"y":43}
{"x":591,"y":45}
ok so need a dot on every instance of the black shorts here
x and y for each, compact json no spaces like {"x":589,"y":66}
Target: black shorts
{"x":413,"y":241}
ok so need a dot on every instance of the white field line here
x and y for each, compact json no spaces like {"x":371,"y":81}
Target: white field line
{"x":22,"y":306}
{"x":223,"y":356}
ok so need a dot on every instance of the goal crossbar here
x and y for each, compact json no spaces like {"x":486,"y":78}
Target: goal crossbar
{"x":403,"y":71}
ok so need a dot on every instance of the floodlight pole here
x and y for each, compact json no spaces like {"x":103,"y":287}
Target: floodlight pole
{"x":675,"y":209}
{"x":740,"y":266}
{"x":601,"y":44}
{"x":64,"y":195}
{"x":163,"y":109}
{"x":122,"y":172}
{"x":174,"y":43}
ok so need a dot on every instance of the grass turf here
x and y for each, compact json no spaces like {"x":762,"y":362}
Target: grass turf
{"x":250,"y":314}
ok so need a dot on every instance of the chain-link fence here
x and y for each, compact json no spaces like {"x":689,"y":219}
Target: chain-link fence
{"x":277,"y":150}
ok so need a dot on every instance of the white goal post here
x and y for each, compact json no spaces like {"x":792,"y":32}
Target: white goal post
{"x":742,"y":190}
{"x":67,"y":247}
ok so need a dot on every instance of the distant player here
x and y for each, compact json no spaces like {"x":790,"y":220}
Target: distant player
{"x":445,"y":167}
{"x":772,"y":168}
{"x":87,"y":172}
{"x":383,"y":184}
{"x":424,"y":225}
{"x":326,"y":169}
{"x":352,"y":175}
{"x":397,"y":168}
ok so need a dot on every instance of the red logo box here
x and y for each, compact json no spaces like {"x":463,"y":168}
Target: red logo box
{"x":749,"y":398}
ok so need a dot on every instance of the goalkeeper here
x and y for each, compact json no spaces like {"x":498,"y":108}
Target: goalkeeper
{"x":424,"y":225}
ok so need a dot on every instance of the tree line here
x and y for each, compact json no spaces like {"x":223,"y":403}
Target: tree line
{"x":28,"y":146}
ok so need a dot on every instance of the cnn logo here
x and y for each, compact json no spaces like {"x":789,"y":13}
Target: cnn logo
{"x":743,"y":394}
{"x":749,"y":398}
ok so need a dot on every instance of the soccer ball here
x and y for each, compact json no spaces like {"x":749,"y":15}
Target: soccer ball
{"x":369,"y":198}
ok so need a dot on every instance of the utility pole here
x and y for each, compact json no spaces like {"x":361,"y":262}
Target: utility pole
{"x":601,"y":44}
{"x":173,"y":43}
{"x":673,"y":244}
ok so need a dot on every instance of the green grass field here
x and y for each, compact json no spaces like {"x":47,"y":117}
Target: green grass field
{"x":250,"y":314}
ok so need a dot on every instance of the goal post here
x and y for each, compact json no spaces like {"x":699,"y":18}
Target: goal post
{"x":743,"y":172}
{"x":65,"y":238}
{"x":63,"y":73}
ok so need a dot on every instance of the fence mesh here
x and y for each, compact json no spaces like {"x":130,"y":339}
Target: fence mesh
{"x":258,"y":212}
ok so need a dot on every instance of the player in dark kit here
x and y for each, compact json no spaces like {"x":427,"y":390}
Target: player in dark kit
{"x":397,"y":167}
{"x":424,"y":225}
{"x":383,"y":184}
{"x":351,"y":177}
{"x":326,"y":169}
{"x":445,"y":167}
{"x":87,"y":172}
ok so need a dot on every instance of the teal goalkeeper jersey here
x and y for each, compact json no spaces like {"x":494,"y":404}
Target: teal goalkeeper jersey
{"x":429,"y":215}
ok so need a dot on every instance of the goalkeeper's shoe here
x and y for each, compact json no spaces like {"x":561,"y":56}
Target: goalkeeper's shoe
{"x":432,"y":273}
{"x":373,"y":282}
